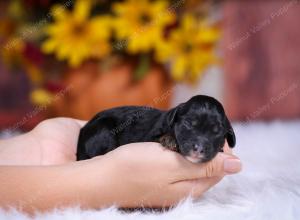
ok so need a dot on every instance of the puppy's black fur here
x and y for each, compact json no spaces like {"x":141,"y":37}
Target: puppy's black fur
{"x":197,"y":129}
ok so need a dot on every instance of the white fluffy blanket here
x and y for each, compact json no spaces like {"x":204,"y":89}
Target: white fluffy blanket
{"x":267,"y":188}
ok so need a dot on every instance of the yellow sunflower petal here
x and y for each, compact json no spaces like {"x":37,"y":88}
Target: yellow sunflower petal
{"x":53,"y":29}
{"x":101,"y":26}
{"x":75,"y":59}
{"x":161,"y":13}
{"x":82,"y":10}
{"x":49,"y":46}
{"x":63,"y":52}
{"x":118,"y":8}
{"x":208,"y":35}
{"x":188,"y":22}
{"x":163,"y":50}
{"x":41,"y":97}
{"x":178,"y":68}
{"x":59,"y":12}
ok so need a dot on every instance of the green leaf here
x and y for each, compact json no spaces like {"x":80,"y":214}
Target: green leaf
{"x":142,"y":67}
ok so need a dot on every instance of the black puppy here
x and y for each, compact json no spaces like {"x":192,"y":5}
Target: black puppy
{"x":196,"y":129}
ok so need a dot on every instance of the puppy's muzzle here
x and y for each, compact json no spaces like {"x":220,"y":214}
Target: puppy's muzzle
{"x":199,"y":152}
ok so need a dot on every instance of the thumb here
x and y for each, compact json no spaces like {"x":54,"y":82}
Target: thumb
{"x":221,"y":165}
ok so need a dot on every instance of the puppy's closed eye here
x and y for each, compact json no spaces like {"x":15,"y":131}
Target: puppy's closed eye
{"x":187,"y":124}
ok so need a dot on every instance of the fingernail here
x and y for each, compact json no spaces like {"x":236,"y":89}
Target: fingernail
{"x":232,"y":165}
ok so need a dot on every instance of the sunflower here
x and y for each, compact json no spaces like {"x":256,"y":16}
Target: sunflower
{"x":141,"y":23}
{"x":41,"y":97}
{"x":190,"y":49}
{"x":75,"y":37}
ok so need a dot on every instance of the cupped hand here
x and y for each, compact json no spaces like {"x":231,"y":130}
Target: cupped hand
{"x":146,"y":174}
{"x":139,"y":174}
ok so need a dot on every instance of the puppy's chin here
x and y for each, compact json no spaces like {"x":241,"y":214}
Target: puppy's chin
{"x":194,"y":159}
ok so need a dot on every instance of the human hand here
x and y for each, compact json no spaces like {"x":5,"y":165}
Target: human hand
{"x":51,"y":142}
{"x":134,"y":175}
{"x":148,"y":175}
{"x":57,"y":139}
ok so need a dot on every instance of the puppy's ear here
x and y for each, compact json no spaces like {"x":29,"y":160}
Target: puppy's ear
{"x":172,"y":114}
{"x":230,"y":135}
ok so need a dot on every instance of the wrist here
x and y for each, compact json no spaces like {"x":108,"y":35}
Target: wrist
{"x":95,"y":181}
{"x":14,"y":151}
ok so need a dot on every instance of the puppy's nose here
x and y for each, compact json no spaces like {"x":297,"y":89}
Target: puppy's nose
{"x":198,"y":148}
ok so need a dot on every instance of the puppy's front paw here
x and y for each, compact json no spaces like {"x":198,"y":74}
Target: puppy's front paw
{"x":168,"y":141}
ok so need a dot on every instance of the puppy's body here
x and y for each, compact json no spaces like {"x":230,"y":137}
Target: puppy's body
{"x":197,"y":129}
{"x":119,"y":126}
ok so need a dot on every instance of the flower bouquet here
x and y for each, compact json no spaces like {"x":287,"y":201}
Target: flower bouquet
{"x":101,"y":54}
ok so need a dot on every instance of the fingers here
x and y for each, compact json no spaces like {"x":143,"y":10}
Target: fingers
{"x":221,"y":165}
{"x":201,"y":177}
{"x":182,"y":169}
{"x":194,"y":188}
{"x":179,"y":168}
{"x":227,"y":149}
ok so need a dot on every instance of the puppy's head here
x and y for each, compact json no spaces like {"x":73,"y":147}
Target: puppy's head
{"x":200,"y":127}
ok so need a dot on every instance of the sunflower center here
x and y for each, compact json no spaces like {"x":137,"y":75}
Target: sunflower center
{"x":78,"y":29}
{"x":187,"y":48}
{"x":145,"y":19}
